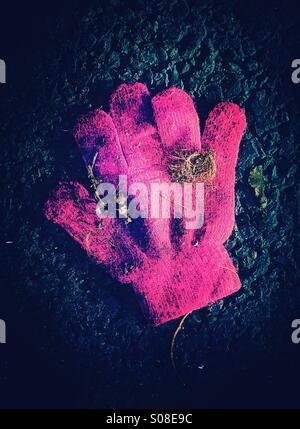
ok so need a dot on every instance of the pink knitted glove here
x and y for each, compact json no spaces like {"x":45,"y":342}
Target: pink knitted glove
{"x":172,"y":271}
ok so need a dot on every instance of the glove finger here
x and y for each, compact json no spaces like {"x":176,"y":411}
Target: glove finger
{"x":179,"y":129}
{"x":223,"y":132}
{"x":72,"y":207}
{"x":132,"y":114}
{"x":97,"y":138}
{"x":177,"y":120}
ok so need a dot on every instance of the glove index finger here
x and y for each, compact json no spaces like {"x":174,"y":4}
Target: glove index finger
{"x":99,"y":143}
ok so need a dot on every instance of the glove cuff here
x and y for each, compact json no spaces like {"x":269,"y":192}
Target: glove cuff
{"x":200,"y":277}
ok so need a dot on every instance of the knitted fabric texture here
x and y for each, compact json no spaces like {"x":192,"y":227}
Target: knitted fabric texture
{"x":173,"y":270}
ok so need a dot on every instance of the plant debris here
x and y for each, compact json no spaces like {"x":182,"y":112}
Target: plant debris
{"x":187,"y":166}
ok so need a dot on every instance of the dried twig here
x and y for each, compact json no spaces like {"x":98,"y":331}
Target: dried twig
{"x":173,"y":344}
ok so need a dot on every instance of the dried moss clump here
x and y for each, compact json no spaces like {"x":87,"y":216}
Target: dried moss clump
{"x":187,"y":166}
